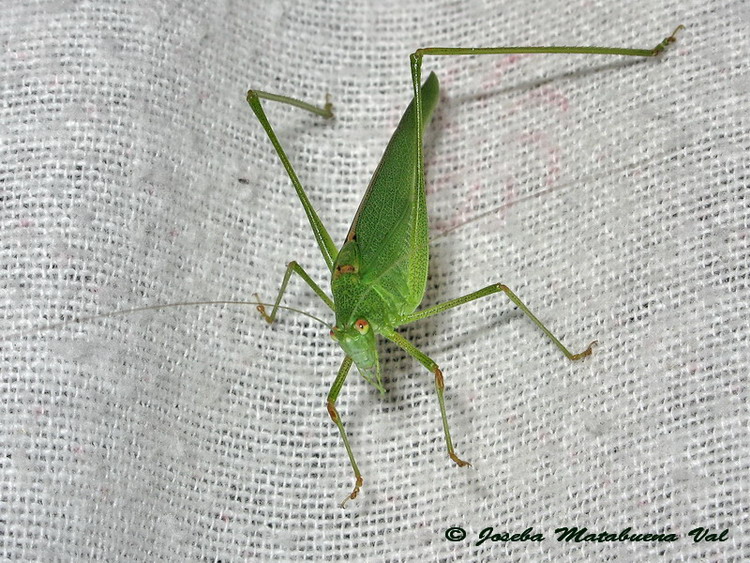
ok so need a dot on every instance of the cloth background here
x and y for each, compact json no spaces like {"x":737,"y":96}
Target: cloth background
{"x":610,"y":194}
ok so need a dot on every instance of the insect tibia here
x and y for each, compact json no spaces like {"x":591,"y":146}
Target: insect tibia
{"x":440,"y":388}
{"x":416,"y":57}
{"x":326,"y":111}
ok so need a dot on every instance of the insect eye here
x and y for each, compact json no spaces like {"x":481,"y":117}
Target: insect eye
{"x":333,"y":334}
{"x":362,"y":326}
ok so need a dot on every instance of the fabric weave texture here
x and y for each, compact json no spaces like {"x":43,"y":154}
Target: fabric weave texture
{"x":610,"y":194}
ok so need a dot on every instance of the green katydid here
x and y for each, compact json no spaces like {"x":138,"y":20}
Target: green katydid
{"x":379,"y":274}
{"x":378,"y":281}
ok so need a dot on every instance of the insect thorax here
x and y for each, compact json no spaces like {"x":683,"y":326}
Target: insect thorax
{"x":354,"y":298}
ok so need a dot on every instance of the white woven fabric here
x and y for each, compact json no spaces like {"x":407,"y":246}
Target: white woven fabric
{"x":610,"y":194}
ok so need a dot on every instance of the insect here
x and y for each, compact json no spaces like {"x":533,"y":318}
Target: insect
{"x":379,"y":275}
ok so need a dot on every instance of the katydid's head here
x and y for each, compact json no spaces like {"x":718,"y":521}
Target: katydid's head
{"x":359,"y":343}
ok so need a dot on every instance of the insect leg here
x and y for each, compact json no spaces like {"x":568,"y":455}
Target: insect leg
{"x":292,"y":267}
{"x":489,"y":290}
{"x":327,"y":248}
{"x":415,"y":61}
{"x":427,"y":362}
{"x":334,"y":414}
{"x":326,"y":111}
{"x":653,"y":52}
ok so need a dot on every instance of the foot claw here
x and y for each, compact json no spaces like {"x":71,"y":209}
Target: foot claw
{"x":458,"y":460}
{"x":262,"y":310}
{"x":355,"y":492}
{"x":586,"y":352}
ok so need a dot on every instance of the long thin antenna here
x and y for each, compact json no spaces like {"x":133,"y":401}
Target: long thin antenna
{"x":121,"y":312}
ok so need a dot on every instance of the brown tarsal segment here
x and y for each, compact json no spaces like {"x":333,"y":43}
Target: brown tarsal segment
{"x":458,"y":460}
{"x":586,"y":352}
{"x":357,"y":486}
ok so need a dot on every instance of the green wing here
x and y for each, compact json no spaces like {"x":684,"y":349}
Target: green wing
{"x":390,"y":226}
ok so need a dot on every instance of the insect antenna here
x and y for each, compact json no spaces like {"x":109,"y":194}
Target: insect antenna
{"x":121,"y":312}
